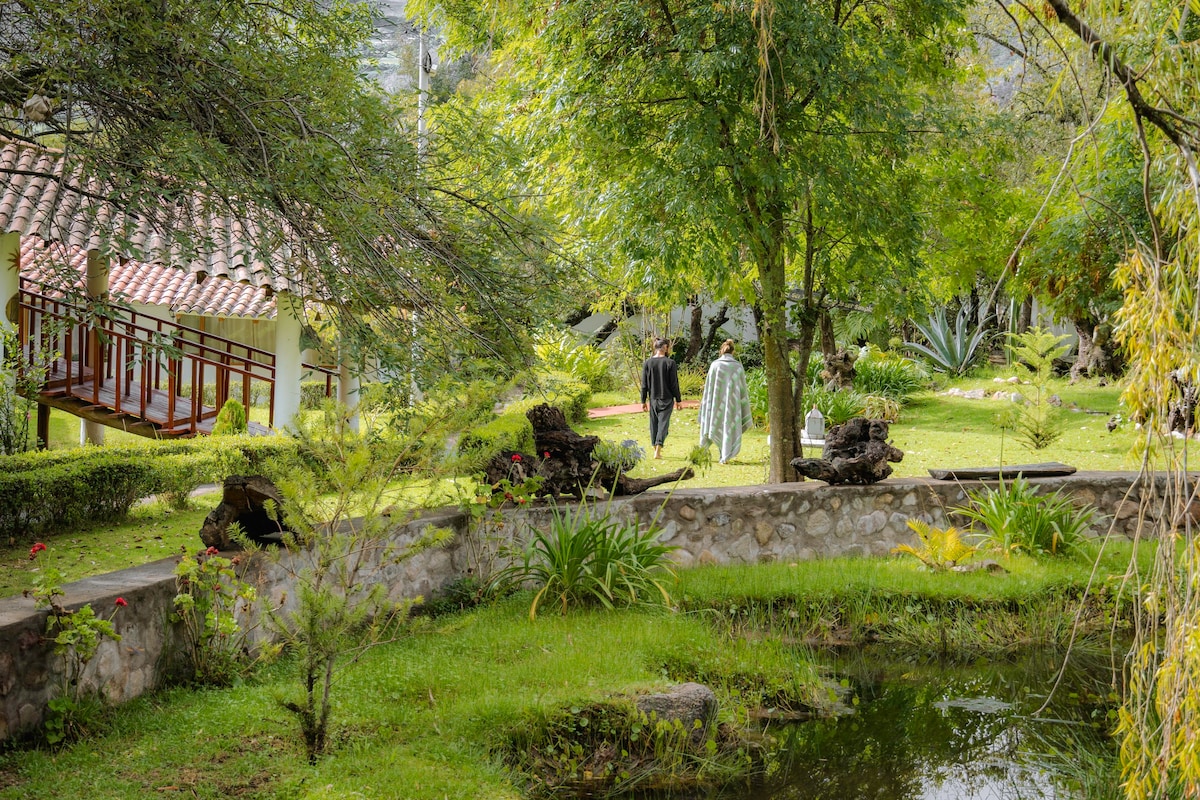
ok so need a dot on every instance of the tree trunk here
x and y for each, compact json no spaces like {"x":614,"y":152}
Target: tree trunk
{"x":695,"y":331}
{"x":781,"y":413}
{"x":1025,"y":315}
{"x":714,"y":324}
{"x":1083,"y":329}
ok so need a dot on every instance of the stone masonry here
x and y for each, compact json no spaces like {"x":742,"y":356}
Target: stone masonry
{"x":792,"y":522}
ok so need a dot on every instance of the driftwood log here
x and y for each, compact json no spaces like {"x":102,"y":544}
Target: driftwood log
{"x":564,"y":461}
{"x":244,"y":500}
{"x":855,"y":452}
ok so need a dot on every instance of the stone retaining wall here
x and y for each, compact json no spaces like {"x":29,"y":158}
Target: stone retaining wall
{"x":755,"y":524}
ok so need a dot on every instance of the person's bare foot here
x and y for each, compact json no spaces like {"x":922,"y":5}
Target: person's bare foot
{"x":658,"y":451}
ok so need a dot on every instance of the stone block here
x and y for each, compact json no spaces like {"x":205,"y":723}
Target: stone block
{"x":818,"y":523}
{"x":786,"y":530}
{"x":707,"y":558}
{"x":763,"y":532}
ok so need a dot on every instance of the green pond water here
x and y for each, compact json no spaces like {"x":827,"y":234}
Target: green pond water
{"x":987,"y":731}
{"x":941,"y":731}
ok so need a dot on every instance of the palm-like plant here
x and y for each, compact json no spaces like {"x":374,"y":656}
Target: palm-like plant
{"x":948,"y":349}
{"x":1016,"y":519}
{"x":585,"y":559}
{"x":940,"y":549}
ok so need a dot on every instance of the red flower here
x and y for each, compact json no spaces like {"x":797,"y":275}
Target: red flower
{"x":120,"y":601}
{"x":516,"y":457}
{"x":522,"y":500}
{"x":37,"y":548}
{"x":546,"y":454}
{"x":508,"y":496}
{"x":212,"y":551}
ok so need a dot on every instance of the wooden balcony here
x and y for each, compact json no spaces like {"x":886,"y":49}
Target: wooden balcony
{"x":139,"y":373}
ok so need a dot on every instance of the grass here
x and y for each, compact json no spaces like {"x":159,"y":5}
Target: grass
{"x":427,"y":716}
{"x":934,"y":431}
{"x":421,"y":718}
{"x":151,"y":531}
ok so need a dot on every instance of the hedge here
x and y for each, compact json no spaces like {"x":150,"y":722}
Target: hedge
{"x":511,"y":430}
{"x":55,"y":491}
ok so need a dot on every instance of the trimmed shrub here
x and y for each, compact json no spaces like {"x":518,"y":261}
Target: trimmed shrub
{"x":58,"y":490}
{"x":509,"y":431}
{"x":231,"y":419}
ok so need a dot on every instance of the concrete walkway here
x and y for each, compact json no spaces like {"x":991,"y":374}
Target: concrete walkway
{"x":632,"y":408}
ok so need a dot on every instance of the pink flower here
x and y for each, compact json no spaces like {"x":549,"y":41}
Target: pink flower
{"x":516,"y":456}
{"x":120,"y":601}
{"x":212,"y":551}
{"x":37,"y":548}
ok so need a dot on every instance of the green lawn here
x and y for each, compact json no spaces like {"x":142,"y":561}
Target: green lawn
{"x":934,"y":431}
{"x":426,"y":716}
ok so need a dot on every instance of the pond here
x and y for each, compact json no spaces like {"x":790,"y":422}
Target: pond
{"x":953,"y":732}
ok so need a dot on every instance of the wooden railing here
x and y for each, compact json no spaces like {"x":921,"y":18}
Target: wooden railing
{"x":138,"y":365}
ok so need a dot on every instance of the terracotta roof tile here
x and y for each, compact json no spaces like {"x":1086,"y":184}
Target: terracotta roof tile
{"x":34,"y":203}
{"x":150,"y":283}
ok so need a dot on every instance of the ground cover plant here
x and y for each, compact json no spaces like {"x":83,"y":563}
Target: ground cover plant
{"x":434,"y":713}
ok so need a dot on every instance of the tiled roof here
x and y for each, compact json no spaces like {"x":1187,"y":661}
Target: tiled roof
{"x":153,"y":284}
{"x":34,"y":203}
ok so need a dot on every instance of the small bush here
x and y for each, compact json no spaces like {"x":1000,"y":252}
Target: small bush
{"x":691,"y":382}
{"x":837,"y":406}
{"x":563,"y":352}
{"x":940,"y":548}
{"x":756,"y":384}
{"x":622,"y":457}
{"x":509,"y":431}
{"x":231,"y":419}
{"x":587,"y":559}
{"x":879,"y":373}
{"x":1016,"y":520}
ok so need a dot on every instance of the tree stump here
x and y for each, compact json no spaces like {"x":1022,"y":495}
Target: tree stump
{"x":564,"y":461}
{"x":244,"y":501}
{"x":839,"y":370}
{"x":856,"y":452}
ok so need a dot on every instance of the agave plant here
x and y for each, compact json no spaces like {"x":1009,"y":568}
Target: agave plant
{"x":950,"y":350}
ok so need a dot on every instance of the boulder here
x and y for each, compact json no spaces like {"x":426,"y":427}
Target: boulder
{"x":687,"y":702}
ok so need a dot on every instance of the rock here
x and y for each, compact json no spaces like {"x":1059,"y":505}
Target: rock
{"x":688,"y":703}
{"x":244,"y":501}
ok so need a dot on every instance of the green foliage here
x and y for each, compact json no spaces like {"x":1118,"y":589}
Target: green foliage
{"x":756,"y":385}
{"x":1015,"y":519}
{"x":336,"y":502}
{"x":620,"y":456}
{"x":209,"y":599}
{"x":953,"y":350}
{"x":589,"y":559}
{"x":61,"y":489}
{"x":1038,"y":424}
{"x":509,"y":431}
{"x":837,"y":405}
{"x":76,"y":635}
{"x":561,"y":351}
{"x":887,"y":375}
{"x":940,"y":549}
{"x":231,"y":419}
{"x":691,"y":381}
{"x":21,"y":376}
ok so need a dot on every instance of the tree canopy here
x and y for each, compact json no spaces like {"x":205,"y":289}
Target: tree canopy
{"x":262,"y":112}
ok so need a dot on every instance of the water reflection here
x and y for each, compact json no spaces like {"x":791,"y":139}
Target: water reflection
{"x":940,"y":732}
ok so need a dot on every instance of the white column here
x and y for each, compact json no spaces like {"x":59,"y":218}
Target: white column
{"x":10,"y":278}
{"x":96,"y":286}
{"x":10,"y":284}
{"x":348,"y":386}
{"x":288,"y":312}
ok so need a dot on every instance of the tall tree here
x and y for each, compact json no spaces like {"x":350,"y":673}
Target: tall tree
{"x":651,"y":106}
{"x":178,"y":110}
